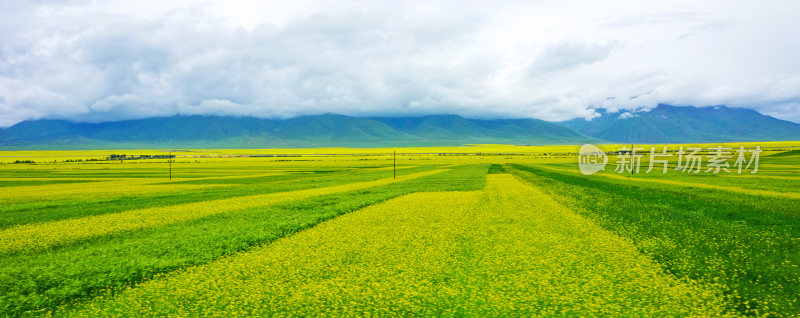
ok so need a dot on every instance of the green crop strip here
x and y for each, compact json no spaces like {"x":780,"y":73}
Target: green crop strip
{"x":750,"y":247}
{"x":43,"y":211}
{"x":505,"y":251}
{"x":34,"y":280}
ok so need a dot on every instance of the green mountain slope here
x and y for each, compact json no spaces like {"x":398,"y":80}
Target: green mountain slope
{"x":671,"y":124}
{"x":306,"y":131}
{"x":456,"y":127}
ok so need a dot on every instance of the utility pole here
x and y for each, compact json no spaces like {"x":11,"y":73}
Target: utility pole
{"x":170,"y":165}
{"x":394,"y":165}
{"x":632,"y":153}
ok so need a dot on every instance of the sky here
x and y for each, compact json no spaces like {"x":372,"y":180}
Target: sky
{"x":93,"y":61}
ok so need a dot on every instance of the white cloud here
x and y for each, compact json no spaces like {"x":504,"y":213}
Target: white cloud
{"x":87,"y":60}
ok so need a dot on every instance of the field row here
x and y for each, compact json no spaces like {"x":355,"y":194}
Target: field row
{"x":32,"y":280}
{"x":43,"y":235}
{"x":506,"y":250}
{"x":535,"y":238}
{"x":44,"y":207}
{"x":746,"y":243}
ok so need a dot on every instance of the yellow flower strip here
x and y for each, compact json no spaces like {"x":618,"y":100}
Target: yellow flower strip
{"x":767,"y":193}
{"x":509,"y":250}
{"x":43,"y":235}
{"x":762,"y":176}
{"x":112,"y":187}
{"x":91,"y":190}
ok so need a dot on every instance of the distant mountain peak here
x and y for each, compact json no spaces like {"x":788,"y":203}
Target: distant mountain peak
{"x":676,"y":124}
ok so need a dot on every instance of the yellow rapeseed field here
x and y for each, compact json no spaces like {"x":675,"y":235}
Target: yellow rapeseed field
{"x":655,"y":179}
{"x":508,"y":250}
{"x":47,"y":234}
{"x":83,"y":236}
{"x":92,"y":190}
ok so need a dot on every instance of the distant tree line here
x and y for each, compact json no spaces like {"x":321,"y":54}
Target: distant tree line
{"x":139,"y":157}
{"x":82,"y":160}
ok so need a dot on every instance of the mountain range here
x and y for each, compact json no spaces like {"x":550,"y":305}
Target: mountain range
{"x":685,"y":124}
{"x":663,"y":124}
{"x":327,"y":130}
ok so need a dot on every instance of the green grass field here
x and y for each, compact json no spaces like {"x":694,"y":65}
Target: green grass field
{"x":493,"y":233}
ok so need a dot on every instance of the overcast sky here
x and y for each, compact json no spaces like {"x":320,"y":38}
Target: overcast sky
{"x":556,"y":60}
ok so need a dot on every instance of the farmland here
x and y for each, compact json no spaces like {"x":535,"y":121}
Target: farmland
{"x":483,"y":230}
